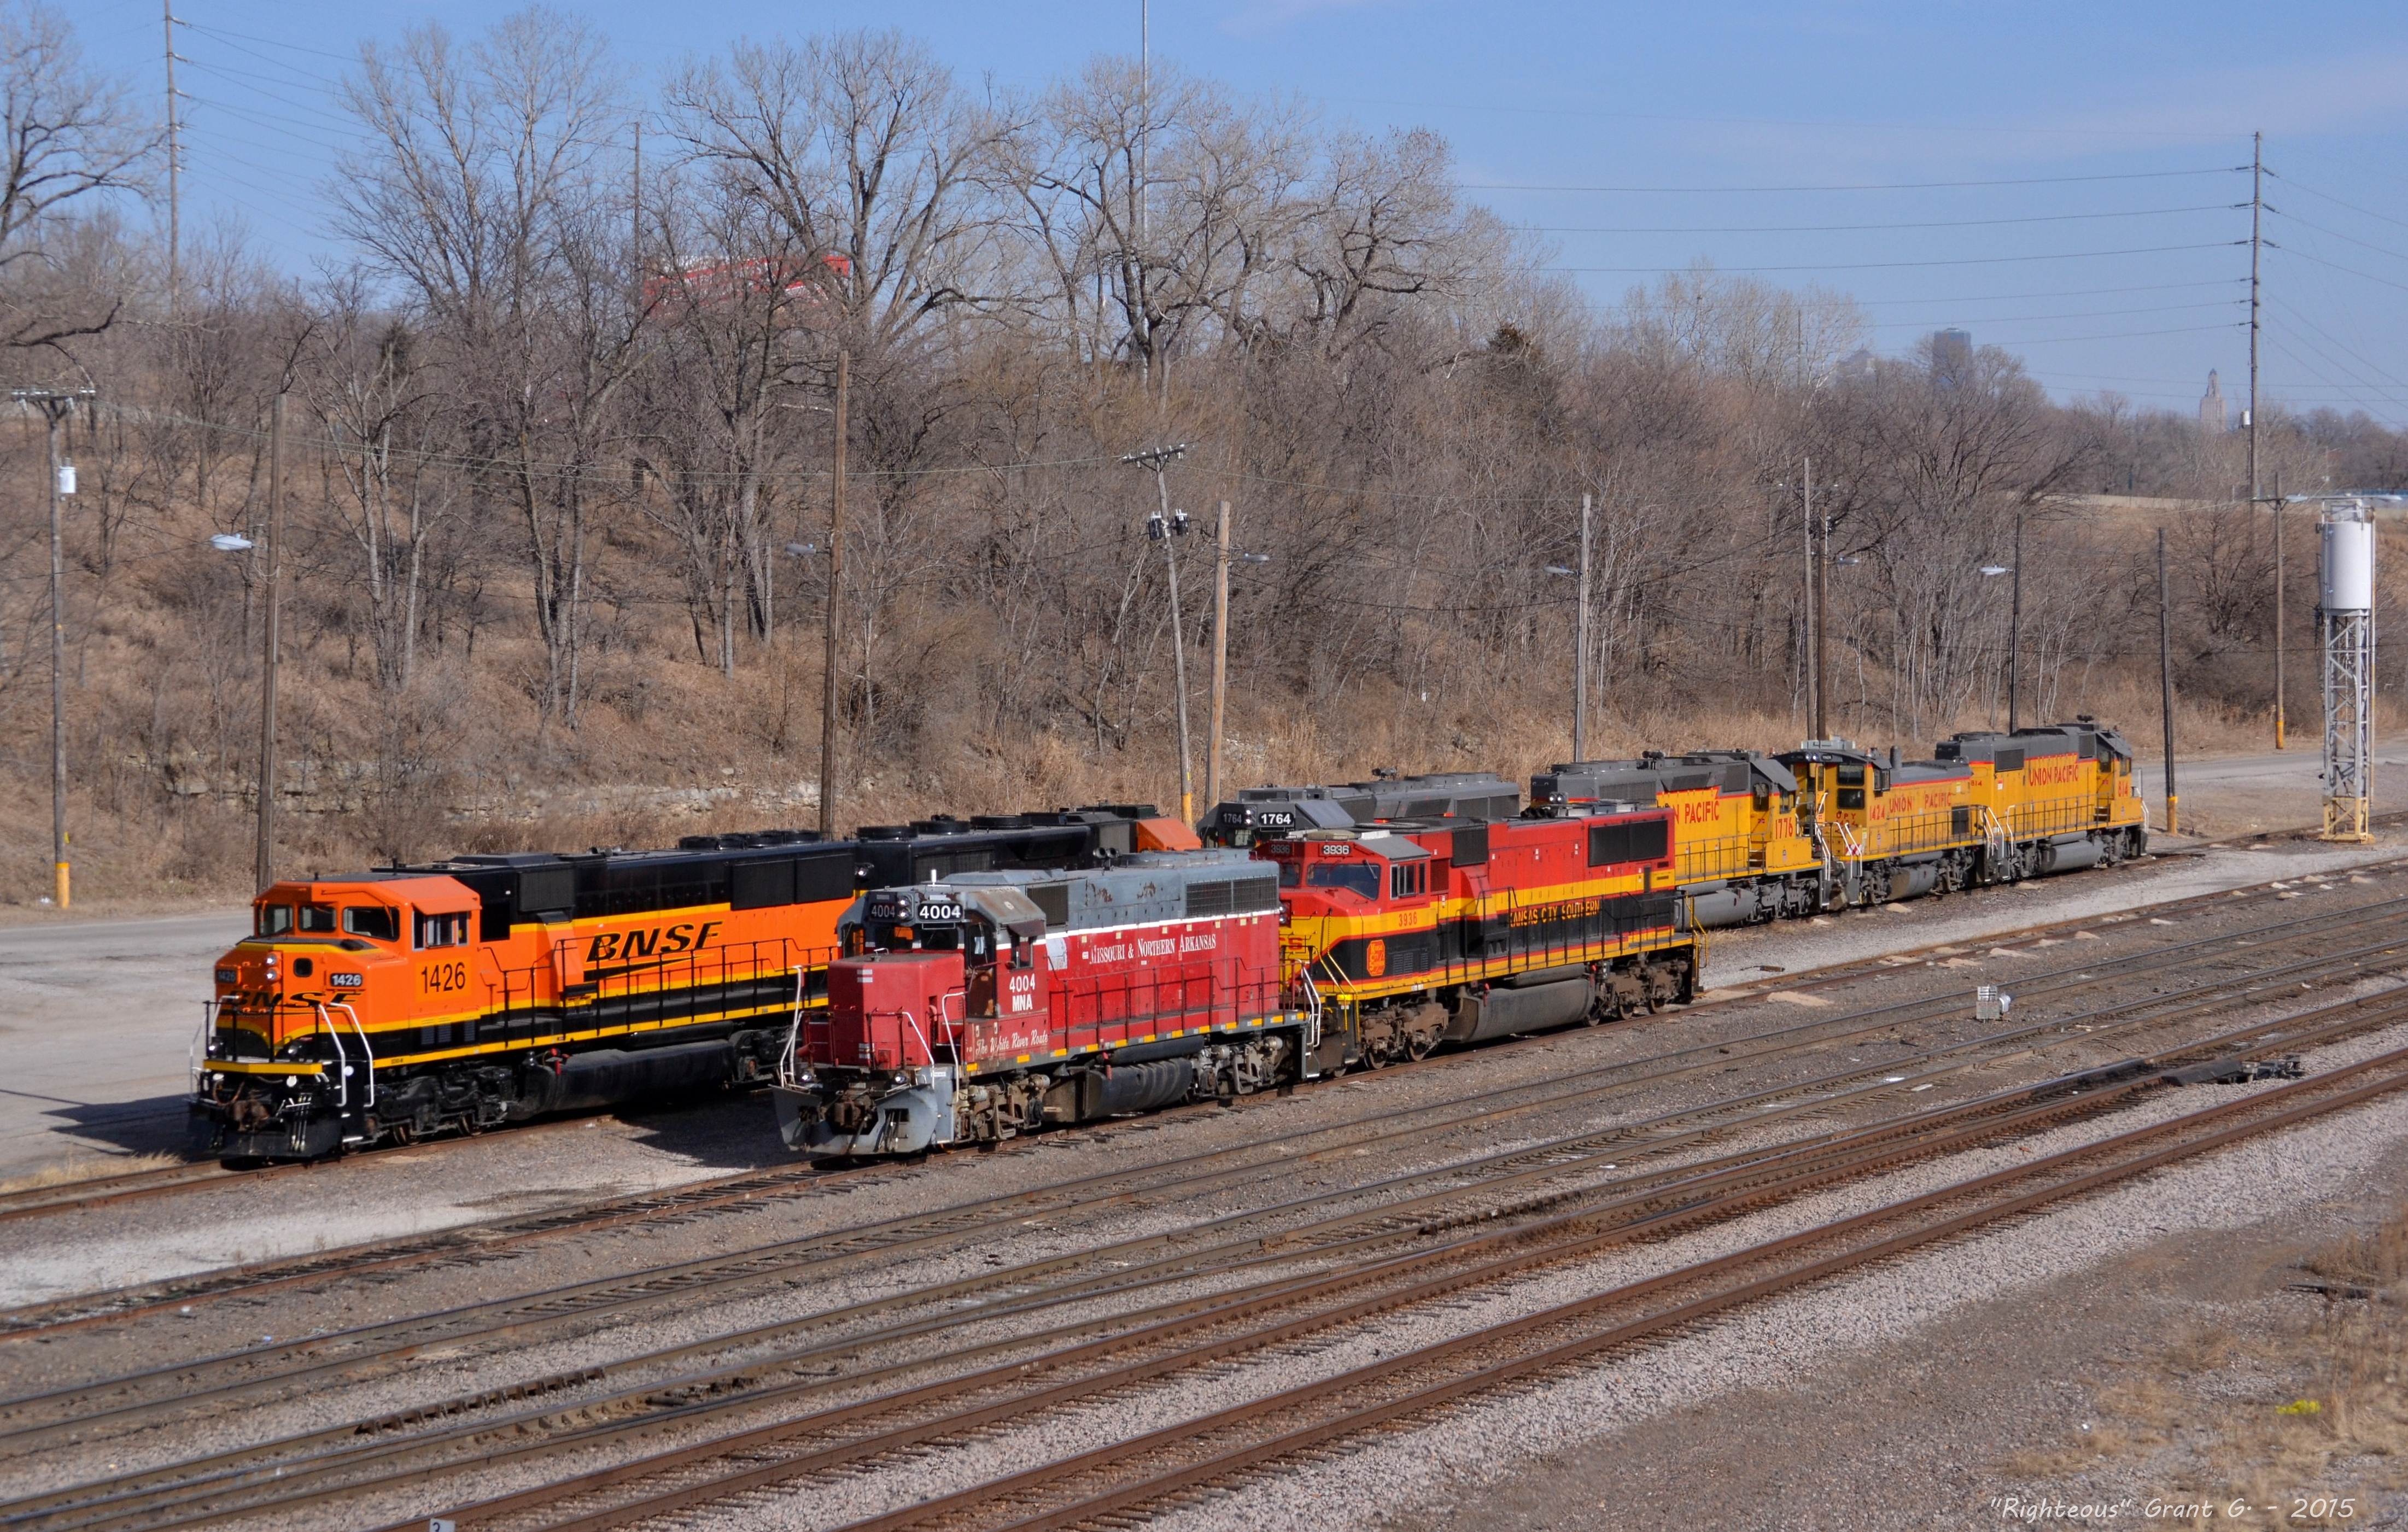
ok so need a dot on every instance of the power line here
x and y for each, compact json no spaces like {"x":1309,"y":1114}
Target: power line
{"x":1852,"y":228}
{"x":2336,"y":201}
{"x":1885,"y":266}
{"x":1860,"y":186}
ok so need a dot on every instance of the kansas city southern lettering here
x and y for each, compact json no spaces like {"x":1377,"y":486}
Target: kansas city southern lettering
{"x":660,"y":941}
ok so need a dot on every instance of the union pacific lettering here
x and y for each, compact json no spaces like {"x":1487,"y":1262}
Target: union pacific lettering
{"x":659,"y":941}
{"x":2061,"y":772}
{"x":1706,"y":813}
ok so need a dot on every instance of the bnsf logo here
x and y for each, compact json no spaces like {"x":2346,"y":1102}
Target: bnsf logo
{"x":2051,"y":773}
{"x":661,"y":940}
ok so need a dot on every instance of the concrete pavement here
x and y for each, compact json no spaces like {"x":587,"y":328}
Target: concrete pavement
{"x":96,"y":1019}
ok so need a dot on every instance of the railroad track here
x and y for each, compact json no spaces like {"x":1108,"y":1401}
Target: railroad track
{"x":1234,"y":1445}
{"x":260,"y":1370}
{"x":1353,"y":1234}
{"x":487,"y":1243}
{"x":911,"y":1424}
{"x":133,"y":1185}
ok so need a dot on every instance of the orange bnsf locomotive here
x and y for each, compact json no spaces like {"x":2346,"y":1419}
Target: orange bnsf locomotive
{"x":981,"y":1006}
{"x":386,"y":1005}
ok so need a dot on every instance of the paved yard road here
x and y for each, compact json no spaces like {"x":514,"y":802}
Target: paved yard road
{"x":95,"y":1020}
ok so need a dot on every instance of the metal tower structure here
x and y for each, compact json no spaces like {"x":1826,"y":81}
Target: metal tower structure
{"x":2345,"y":623}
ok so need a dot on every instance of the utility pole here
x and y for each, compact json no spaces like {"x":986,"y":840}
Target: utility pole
{"x":2166,"y":683}
{"x":2278,"y":609}
{"x":263,"y":864}
{"x":2256,"y":210}
{"x":1821,"y":605}
{"x":1165,"y":526}
{"x":1579,"y":643}
{"x":2016,"y":632}
{"x":175,"y":171}
{"x":1806,"y":640}
{"x":635,"y":202}
{"x":834,"y":579}
{"x":1220,"y":661}
{"x":58,"y":406}
{"x":1144,"y":127}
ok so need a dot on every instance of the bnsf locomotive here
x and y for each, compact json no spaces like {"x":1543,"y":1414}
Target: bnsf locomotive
{"x":981,"y":1005}
{"x":385,"y":1006}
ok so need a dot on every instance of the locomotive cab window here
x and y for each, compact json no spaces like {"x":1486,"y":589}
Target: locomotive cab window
{"x":318,"y":919}
{"x":1852,"y":797}
{"x":376,"y":922}
{"x":442,"y":931}
{"x":1408,"y":879}
{"x":1291,"y":874}
{"x":1361,"y":877}
{"x":272,"y":920}
{"x":1761,"y":797}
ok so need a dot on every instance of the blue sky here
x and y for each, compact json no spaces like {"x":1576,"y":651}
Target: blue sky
{"x":2091,"y":228}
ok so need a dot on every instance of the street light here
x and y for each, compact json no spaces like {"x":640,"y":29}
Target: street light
{"x":263,"y":856}
{"x":57,"y":405}
{"x":231,"y":542}
{"x":2014,"y":627}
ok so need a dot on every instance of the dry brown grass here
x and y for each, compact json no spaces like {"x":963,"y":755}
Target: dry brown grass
{"x":2310,"y":1405}
{"x":76,"y":1171}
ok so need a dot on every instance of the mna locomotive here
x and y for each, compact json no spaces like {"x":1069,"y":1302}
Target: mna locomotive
{"x":983,"y":1005}
{"x":387,"y":1006}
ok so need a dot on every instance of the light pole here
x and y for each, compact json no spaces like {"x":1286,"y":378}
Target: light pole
{"x":2014,"y":625}
{"x":1164,"y":526}
{"x":270,"y":645}
{"x":58,"y":405}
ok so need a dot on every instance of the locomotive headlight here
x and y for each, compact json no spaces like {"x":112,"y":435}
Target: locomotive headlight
{"x":292,"y":1079}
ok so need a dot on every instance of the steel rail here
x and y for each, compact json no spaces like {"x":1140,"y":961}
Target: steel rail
{"x":485,"y":1239}
{"x":1228,"y":1462}
{"x":184,"y":1375}
{"x":1684,"y":1209}
{"x":137,"y":1493}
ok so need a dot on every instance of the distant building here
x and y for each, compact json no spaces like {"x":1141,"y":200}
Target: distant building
{"x":1858,"y":365}
{"x":1951,"y":353}
{"x":2210,"y":406}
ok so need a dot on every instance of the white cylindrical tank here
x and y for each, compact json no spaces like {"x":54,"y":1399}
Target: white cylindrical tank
{"x":2347,"y":570}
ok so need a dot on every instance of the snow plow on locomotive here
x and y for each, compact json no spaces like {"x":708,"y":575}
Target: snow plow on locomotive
{"x":388,"y":1006}
{"x":977,"y":1006}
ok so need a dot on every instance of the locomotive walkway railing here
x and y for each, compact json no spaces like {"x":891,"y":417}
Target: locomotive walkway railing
{"x":651,"y":993}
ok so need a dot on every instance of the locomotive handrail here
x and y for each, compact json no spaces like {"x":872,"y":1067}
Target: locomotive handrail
{"x":335,"y":1034}
{"x":794,"y":1034}
{"x":197,"y":1052}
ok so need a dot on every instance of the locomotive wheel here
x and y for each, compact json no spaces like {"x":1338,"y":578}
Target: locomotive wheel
{"x":1420,"y":1045}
